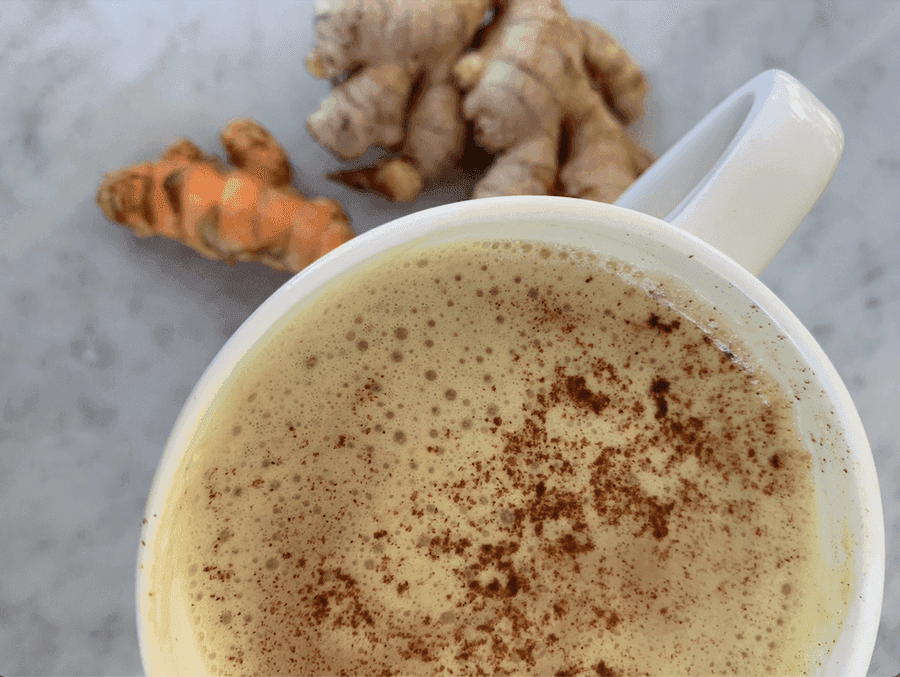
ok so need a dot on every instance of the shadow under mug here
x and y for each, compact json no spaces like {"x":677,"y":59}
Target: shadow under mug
{"x":710,"y":213}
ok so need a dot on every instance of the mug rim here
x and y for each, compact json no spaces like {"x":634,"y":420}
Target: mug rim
{"x":562,"y":211}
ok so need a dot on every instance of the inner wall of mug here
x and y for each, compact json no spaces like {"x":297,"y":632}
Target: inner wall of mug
{"x":769,"y":336}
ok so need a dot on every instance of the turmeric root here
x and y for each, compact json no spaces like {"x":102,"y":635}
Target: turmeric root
{"x":243,"y":214}
{"x":548,"y":95}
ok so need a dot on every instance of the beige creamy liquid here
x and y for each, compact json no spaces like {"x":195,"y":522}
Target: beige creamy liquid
{"x":490,"y":458}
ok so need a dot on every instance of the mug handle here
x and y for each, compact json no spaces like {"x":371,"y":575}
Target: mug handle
{"x":748,"y":173}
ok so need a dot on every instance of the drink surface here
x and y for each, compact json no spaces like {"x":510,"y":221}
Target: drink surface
{"x":506,"y":458}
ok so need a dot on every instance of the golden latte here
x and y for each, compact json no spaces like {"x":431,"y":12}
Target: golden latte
{"x":496,"y":458}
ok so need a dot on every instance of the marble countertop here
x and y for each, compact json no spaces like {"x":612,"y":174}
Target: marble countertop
{"x":103,"y":335}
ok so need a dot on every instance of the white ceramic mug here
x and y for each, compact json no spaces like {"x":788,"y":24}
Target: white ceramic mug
{"x":711,"y":212}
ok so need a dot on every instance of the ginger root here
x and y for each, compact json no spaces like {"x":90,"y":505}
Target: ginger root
{"x":243,"y":214}
{"x":394,"y":60}
{"x":549,"y":96}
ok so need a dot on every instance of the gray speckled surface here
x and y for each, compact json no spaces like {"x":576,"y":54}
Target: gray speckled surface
{"x":103,"y":335}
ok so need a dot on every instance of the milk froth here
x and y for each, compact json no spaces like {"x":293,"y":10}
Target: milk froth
{"x":502,"y":457}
